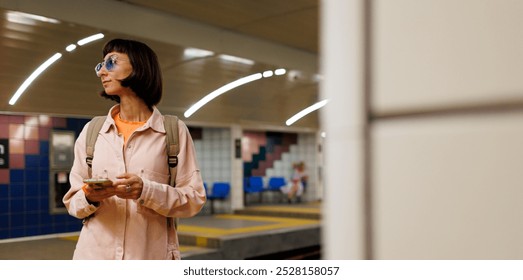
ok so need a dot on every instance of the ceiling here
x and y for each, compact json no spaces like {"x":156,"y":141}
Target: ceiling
{"x":271,"y":33}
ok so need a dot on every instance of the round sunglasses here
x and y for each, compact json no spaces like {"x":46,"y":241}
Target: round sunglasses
{"x":109,"y":64}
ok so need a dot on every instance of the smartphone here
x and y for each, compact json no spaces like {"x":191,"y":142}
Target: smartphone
{"x":98,"y":183}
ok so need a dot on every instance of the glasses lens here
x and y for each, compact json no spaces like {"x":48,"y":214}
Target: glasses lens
{"x":109,"y":63}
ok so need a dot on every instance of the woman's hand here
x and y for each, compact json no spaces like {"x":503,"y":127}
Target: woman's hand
{"x":128,"y":186}
{"x":96,"y":195}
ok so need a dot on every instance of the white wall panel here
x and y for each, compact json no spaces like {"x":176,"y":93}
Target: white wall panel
{"x":448,"y":187}
{"x":429,"y":54}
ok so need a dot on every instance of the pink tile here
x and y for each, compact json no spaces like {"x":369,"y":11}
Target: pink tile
{"x":32,"y":147}
{"x":4,"y":176}
{"x":4,"y":130}
{"x":17,"y":119}
{"x":16,"y":146}
{"x":31,"y":120}
{"x":16,"y":131}
{"x":31,"y":132}
{"x":59,"y":122}
{"x":16,"y":161}
{"x":45,"y":120}
{"x":4,"y":118}
{"x":262,"y":139}
{"x":43,"y":133}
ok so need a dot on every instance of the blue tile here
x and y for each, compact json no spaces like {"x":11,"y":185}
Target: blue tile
{"x":46,"y":219}
{"x":32,"y":175}
{"x":32,"y":231}
{"x":74,"y":227}
{"x":43,"y":187}
{"x":44,"y":175}
{"x":4,"y":233}
{"x":44,"y":161}
{"x":44,"y":203}
{"x":17,"y":220}
{"x":4,"y":221}
{"x":4,"y":191}
{"x":32,"y":190}
{"x":44,"y":148}
{"x":4,"y":206}
{"x":17,"y":232}
{"x":16,"y":175}
{"x":60,"y":218}
{"x":32,"y":219}
{"x":70,"y":219}
{"x":32,"y":204}
{"x":16,"y":206}
{"x":60,"y":228}
{"x":32,"y":161}
{"x":16,"y":191}
{"x":76,"y":124}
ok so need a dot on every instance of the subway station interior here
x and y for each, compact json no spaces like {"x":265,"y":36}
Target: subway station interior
{"x":407,"y":115}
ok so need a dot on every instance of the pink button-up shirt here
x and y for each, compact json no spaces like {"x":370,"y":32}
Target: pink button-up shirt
{"x":135,"y":229}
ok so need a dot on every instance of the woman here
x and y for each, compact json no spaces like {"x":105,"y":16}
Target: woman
{"x":130,"y":219}
{"x":296,"y":185}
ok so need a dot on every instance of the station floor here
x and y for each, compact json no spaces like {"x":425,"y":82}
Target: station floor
{"x":259,"y":231}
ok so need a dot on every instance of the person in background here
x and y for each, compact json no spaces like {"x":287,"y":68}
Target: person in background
{"x":295,"y":188}
{"x":133,"y":217}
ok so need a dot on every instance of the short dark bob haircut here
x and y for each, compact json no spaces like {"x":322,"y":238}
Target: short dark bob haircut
{"x":146,"y":78}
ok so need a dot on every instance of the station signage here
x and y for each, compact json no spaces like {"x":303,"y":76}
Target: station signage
{"x":4,"y":153}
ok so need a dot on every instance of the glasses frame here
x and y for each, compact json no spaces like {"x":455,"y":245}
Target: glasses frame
{"x":109,"y":64}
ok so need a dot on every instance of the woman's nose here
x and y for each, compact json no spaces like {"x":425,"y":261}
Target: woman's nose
{"x":102,"y":71}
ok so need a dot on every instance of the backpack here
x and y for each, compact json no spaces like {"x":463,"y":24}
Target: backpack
{"x":172,"y":146}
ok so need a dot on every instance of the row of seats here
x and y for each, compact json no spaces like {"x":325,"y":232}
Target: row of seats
{"x":252,"y":185}
{"x":256,"y":185}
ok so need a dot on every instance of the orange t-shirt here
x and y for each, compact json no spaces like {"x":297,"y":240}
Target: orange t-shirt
{"x":126,"y":128}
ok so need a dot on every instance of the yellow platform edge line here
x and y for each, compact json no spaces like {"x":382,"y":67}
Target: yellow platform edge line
{"x":262,"y":218}
{"x":285,"y":209}
{"x":215,"y":232}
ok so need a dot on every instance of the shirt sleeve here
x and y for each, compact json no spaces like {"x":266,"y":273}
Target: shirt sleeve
{"x":188,"y":197}
{"x":75,"y":200}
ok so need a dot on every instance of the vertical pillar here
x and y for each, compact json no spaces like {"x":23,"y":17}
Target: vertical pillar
{"x":236,"y":169}
{"x":345,"y":228}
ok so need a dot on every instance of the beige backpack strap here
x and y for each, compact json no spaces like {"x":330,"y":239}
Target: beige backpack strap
{"x":92,"y":134}
{"x":173,"y":147}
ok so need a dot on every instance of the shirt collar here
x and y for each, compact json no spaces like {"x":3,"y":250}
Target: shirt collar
{"x":155,"y":121}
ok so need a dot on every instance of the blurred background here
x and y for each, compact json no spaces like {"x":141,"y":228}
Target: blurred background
{"x":415,"y":152}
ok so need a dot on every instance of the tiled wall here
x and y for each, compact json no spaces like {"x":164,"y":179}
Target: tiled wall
{"x":213,"y":152}
{"x":304,"y":150}
{"x":24,"y":186}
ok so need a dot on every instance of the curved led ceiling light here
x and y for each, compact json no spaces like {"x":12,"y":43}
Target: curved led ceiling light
{"x":306,"y":111}
{"x":33,"y":76}
{"x":229,"y":86}
{"x":90,"y":39}
{"x":48,"y":63}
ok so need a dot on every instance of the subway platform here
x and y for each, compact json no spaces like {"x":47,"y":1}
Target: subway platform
{"x":280,"y":231}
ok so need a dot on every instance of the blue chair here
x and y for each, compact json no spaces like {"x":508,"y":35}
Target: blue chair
{"x":253,"y":185}
{"x":275,"y":183}
{"x":256,"y":183}
{"x":220,"y":191}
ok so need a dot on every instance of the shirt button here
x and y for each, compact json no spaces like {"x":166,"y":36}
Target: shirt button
{"x":142,"y":201}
